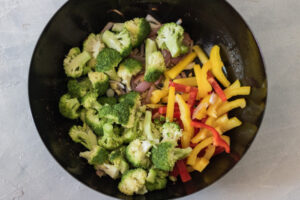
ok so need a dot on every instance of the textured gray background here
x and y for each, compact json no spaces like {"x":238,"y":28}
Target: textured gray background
{"x":270,"y":169}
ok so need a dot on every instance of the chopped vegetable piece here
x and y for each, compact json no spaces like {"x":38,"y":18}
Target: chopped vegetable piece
{"x":171,"y":102}
{"x":182,"y":88}
{"x":229,"y":105}
{"x":218,"y":141}
{"x":191,"y":81}
{"x":157,"y":95}
{"x":138,"y":29}
{"x":177,"y":69}
{"x":186,"y":120}
{"x":184,"y":174}
{"x":201,"y":76}
{"x":200,"y":111}
{"x":200,"y":53}
{"x":216,"y":87}
{"x":217,"y":66}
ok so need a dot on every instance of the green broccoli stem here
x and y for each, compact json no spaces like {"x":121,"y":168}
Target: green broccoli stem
{"x":150,"y":48}
{"x":147,"y":126}
{"x":117,"y":27}
{"x":113,"y":75}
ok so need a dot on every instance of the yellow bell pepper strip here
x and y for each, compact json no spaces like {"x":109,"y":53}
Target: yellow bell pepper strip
{"x":157,"y":95}
{"x":203,"y":133}
{"x":217,"y":66}
{"x":217,"y":140}
{"x":200,"y":164}
{"x":226,"y":124}
{"x":191,"y":81}
{"x":212,"y":110}
{"x":191,"y":160}
{"x":154,"y":106}
{"x":216,"y":87}
{"x":182,"y":88}
{"x":209,"y":152}
{"x":166,"y":83}
{"x":171,"y":103}
{"x":200,"y":111}
{"x":177,"y":69}
{"x":185,"y":116}
{"x":185,"y":97}
{"x":238,"y":91}
{"x":229,"y":105}
{"x":200,"y":53}
{"x":201,"y":76}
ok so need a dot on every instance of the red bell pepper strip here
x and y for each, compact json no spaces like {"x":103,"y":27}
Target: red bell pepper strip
{"x":219,"y":150}
{"x":182,"y":88}
{"x":163,"y":109}
{"x":175,"y":171}
{"x":183,"y":172}
{"x":192,"y":99}
{"x":218,"y":141}
{"x":216,"y":86}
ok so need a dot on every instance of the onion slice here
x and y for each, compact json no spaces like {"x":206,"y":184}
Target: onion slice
{"x":143,"y":86}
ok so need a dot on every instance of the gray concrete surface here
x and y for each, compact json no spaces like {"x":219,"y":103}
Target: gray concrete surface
{"x":270,"y":169}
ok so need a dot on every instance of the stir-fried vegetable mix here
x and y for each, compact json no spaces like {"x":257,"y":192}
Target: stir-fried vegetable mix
{"x":152,"y":105}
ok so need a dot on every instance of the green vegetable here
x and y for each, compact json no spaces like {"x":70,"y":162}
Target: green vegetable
{"x":131,"y":134}
{"x":107,"y":60}
{"x":119,"y":41}
{"x":79,"y":88}
{"x":75,"y":62}
{"x":156,"y":179}
{"x":139,"y":29}
{"x":150,"y":132}
{"x":93,"y":120}
{"x":117,"y":27}
{"x":133,"y":182}
{"x":97,"y":155}
{"x":93,"y":45}
{"x":137,"y":153}
{"x":122,"y":113}
{"x":110,"y":140}
{"x":171,"y":132}
{"x":117,"y":158}
{"x":164,"y":155}
{"x":128,"y":68}
{"x":82,"y":115}
{"x":69,"y":106}
{"x":170,"y":36}
{"x":109,"y":169}
{"x":100,"y":82}
{"x":84,"y":135}
{"x":155,"y":63}
{"x":107,"y":100}
{"x":90,"y":101}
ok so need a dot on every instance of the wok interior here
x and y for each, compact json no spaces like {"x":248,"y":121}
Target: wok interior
{"x":208,"y":22}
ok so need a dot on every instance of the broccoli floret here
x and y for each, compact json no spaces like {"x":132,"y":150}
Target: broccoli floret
{"x":82,"y":115}
{"x":119,"y":41}
{"x":107,"y":100}
{"x":79,"y":88}
{"x":155,"y":63}
{"x":69,"y":106}
{"x":122,"y":113}
{"x":131,"y":134}
{"x":133,"y":182}
{"x":90,"y":101}
{"x":100,"y":82}
{"x":93,"y":120}
{"x":117,"y":158}
{"x":150,"y":131}
{"x":117,"y":27}
{"x":139,"y":28}
{"x":97,"y":155}
{"x":171,"y":132}
{"x":137,"y":153}
{"x":107,"y":60}
{"x":170,"y":37}
{"x":110,"y":140}
{"x":164,"y":155}
{"x":93,"y":45}
{"x":156,"y":179}
{"x":75,"y":62}
{"x":128,"y":68}
{"x":109,"y":169}
{"x":84,"y":135}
